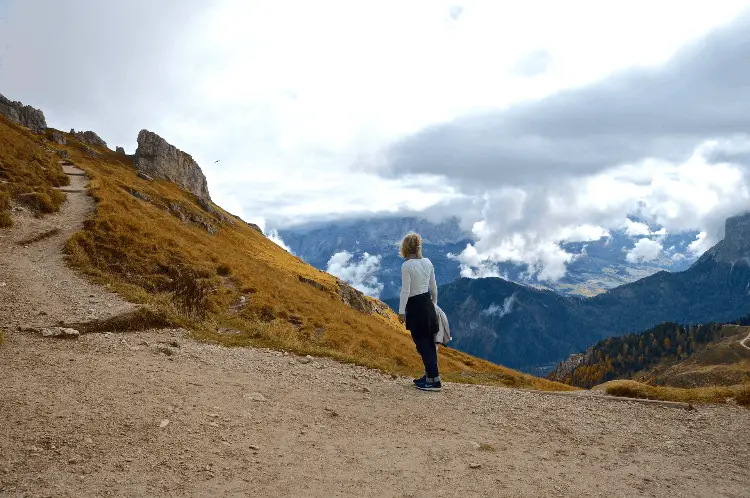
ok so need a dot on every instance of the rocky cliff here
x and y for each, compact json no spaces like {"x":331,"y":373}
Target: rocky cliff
{"x":735,"y":248}
{"x":25,"y":115}
{"x":157,"y":158}
{"x":89,"y":138}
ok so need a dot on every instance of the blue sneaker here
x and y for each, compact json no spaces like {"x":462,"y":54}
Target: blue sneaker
{"x":429,"y":386}
{"x":420,"y":380}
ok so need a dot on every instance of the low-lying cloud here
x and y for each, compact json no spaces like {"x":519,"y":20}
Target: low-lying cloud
{"x":273,"y":236}
{"x":361,"y":274}
{"x":500,"y":311}
{"x":644,"y":250}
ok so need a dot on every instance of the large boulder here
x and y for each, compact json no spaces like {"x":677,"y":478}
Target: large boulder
{"x":157,"y":158}
{"x":25,"y":115}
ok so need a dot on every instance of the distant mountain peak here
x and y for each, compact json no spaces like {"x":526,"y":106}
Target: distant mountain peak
{"x":735,"y":248}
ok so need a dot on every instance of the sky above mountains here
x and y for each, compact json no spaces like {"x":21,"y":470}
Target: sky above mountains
{"x":535,"y":122}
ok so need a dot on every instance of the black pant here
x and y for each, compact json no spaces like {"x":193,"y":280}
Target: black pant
{"x":421,"y":321}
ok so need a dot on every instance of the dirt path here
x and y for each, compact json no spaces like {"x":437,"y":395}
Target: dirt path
{"x":36,"y":288}
{"x":744,"y":342}
{"x":157,"y":414}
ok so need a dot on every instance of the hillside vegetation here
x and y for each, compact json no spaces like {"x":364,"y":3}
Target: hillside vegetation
{"x":668,"y":354}
{"x":209,"y":271}
{"x":28,"y":175}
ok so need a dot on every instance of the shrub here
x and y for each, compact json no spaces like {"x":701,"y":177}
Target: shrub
{"x":5,"y":220}
{"x":223,"y":270}
{"x":189,"y":292}
{"x":742,"y":396}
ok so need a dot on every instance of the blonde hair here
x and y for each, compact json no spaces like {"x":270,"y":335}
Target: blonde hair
{"x":411,"y":246}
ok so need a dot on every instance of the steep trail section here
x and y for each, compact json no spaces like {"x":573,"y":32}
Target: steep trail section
{"x":36,"y":286}
{"x":158,"y":414}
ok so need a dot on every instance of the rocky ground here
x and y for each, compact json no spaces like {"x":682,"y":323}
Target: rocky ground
{"x":158,"y":414}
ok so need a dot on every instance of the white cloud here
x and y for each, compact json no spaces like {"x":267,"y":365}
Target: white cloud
{"x":361,"y":275}
{"x":644,"y":250}
{"x":500,"y":311}
{"x":273,"y":236}
{"x":526,"y":225}
{"x":701,"y":244}
{"x":636,"y":228}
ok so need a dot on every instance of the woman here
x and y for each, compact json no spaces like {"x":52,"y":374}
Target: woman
{"x":417,"y":308}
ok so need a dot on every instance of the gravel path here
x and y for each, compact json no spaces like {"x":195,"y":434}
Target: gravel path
{"x":158,"y":414}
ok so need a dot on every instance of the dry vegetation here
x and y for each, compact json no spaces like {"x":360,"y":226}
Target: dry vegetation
{"x":28,"y":173}
{"x":218,"y":276}
{"x":632,"y":389}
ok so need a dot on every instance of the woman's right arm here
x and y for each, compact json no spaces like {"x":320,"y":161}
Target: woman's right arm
{"x":405,"y":289}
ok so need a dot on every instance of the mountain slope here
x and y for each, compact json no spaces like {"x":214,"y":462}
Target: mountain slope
{"x":159,"y":245}
{"x":533,"y":329}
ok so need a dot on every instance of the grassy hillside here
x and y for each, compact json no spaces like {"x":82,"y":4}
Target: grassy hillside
{"x":723,"y":362}
{"x":28,"y":173}
{"x":213,"y":273}
{"x":668,"y":354}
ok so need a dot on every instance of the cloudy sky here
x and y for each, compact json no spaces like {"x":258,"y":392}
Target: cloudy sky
{"x":536,"y":122}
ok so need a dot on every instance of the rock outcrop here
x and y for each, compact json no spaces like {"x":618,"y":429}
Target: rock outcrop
{"x":57,"y":137}
{"x":25,"y":115}
{"x":120,"y":150}
{"x":89,"y":138}
{"x":735,"y":248}
{"x":157,"y":158}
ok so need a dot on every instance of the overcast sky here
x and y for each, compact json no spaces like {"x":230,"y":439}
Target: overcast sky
{"x":536,"y":121}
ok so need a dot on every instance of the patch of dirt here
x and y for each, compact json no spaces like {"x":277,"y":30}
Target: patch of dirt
{"x":156,"y":413}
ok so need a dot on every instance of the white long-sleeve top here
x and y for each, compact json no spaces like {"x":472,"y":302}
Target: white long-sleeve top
{"x":417,"y":277}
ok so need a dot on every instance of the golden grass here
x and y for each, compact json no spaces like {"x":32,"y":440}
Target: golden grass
{"x":259,"y":295}
{"x":698,"y":395}
{"x":28,"y":173}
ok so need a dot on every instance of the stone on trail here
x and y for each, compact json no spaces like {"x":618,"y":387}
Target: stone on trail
{"x":59,"y":332}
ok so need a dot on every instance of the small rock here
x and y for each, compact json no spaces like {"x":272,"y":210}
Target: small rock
{"x":164,"y":423}
{"x":253,"y":396}
{"x":254,"y":447}
{"x":164,"y":349}
{"x":59,"y":332}
{"x":475,"y":465}
{"x":213,"y":415}
{"x":3,"y":284}
{"x":475,"y":445}
{"x":74,"y":460}
{"x":304,"y":360}
{"x":332,"y":412}
{"x":366,"y":389}
{"x":88,"y":440}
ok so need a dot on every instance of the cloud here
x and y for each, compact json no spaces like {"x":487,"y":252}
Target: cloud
{"x":644,"y":250}
{"x":500,"y":311}
{"x":635,"y":228}
{"x":533,"y":63}
{"x":361,"y":275}
{"x":273,"y":236}
{"x":701,"y":244}
{"x":663,"y":112}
